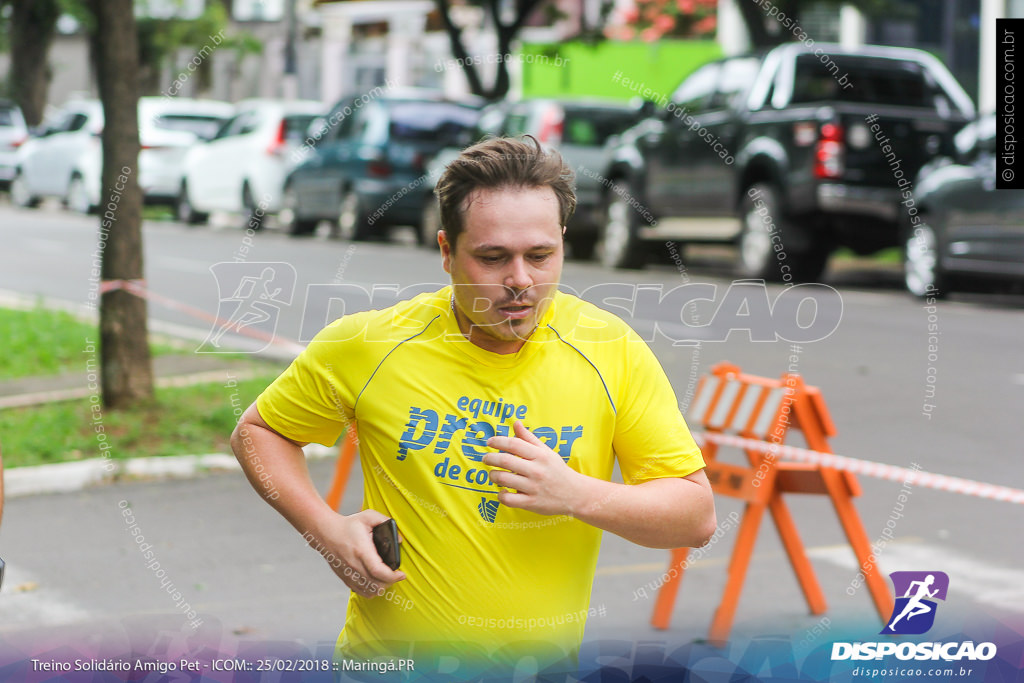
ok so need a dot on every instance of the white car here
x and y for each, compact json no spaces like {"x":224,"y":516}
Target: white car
{"x":13,"y":134}
{"x":168,"y":128}
{"x":66,"y":160}
{"x":242,"y":170}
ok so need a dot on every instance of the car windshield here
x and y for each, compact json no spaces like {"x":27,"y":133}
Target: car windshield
{"x":6,"y":117}
{"x":430,"y":121}
{"x":592,"y":127}
{"x":875,"y":81}
{"x":204,"y":126}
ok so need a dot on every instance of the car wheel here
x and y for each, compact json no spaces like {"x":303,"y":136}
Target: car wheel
{"x":353,"y":224}
{"x":804,"y":255}
{"x":78,"y":196}
{"x":185,"y":212}
{"x":922,"y":271}
{"x":619,"y":244}
{"x":21,"y":196}
{"x":254,"y":213}
{"x":289,"y":215}
{"x":430,"y":223}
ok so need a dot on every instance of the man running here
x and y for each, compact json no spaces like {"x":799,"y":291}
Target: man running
{"x":914,"y":606}
{"x":490,"y":415}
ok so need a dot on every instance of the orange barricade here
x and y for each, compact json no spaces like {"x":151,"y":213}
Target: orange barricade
{"x":346,"y":458}
{"x":765,"y":409}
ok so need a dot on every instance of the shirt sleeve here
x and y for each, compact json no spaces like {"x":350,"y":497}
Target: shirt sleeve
{"x":651,"y":438}
{"x":312,"y":401}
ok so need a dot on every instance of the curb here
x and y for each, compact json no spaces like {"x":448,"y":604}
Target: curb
{"x":66,"y":477}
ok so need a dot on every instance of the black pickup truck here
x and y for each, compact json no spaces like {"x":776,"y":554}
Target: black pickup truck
{"x":789,"y":155}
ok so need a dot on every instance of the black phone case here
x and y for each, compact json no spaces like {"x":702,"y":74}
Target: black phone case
{"x":385,"y":539}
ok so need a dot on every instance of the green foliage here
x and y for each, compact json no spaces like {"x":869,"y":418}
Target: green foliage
{"x":80,"y":11}
{"x":159,"y":38}
{"x":47,"y":342}
{"x":42,"y":342}
{"x":5,"y":31}
{"x":178,"y":421}
{"x":195,"y":419}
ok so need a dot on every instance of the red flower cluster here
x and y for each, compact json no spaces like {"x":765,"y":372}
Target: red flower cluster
{"x":652,"y":20}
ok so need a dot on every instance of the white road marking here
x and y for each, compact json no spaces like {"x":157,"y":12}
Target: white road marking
{"x":982,"y":581}
{"x":36,"y":604}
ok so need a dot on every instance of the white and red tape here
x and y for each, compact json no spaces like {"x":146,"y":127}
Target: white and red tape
{"x":868,"y":468}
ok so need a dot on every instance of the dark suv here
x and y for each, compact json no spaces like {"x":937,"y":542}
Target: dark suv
{"x":366,"y":170}
{"x":964,"y":225}
{"x":789,"y":155}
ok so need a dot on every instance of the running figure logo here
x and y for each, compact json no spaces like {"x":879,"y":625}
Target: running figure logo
{"x":914,"y":612}
{"x":251,"y":297}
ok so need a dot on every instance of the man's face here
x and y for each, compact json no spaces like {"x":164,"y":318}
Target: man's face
{"x":507,"y":265}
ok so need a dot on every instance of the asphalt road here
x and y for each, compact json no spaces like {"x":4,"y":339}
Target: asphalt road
{"x":73,"y":570}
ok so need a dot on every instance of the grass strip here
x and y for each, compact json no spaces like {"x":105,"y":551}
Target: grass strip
{"x":177,"y":421}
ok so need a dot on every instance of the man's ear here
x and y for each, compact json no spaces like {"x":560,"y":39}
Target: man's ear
{"x":446,"y":251}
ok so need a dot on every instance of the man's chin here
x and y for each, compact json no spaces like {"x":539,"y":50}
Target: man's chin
{"x":510,"y":329}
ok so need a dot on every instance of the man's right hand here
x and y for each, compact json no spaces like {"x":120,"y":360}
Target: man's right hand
{"x":347,"y":545}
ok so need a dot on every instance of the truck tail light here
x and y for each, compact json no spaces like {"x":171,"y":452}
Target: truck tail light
{"x":828,"y":153}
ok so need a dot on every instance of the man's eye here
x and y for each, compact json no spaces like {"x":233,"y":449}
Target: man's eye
{"x":539,"y":258}
{"x":490,"y":260}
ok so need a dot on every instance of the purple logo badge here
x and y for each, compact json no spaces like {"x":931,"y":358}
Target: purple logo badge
{"x":916,"y":593}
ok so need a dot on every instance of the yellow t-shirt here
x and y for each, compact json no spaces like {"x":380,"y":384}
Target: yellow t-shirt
{"x":484,"y":580}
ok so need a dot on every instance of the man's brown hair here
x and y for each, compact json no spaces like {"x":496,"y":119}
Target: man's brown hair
{"x":498,"y":163}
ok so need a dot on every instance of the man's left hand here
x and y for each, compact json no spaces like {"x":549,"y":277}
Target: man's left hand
{"x":540,"y":480}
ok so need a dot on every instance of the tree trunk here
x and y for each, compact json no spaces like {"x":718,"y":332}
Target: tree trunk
{"x":506,"y":33}
{"x":459,"y":50}
{"x":33,"y":24}
{"x":127,"y":373}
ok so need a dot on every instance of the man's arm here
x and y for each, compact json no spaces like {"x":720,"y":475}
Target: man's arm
{"x":662,"y":513}
{"x":276,"y":468}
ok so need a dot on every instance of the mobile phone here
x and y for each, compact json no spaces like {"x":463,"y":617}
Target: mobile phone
{"x":385,"y":539}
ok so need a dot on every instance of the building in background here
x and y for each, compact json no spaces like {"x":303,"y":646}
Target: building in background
{"x":323,"y":49}
{"x":366,"y":43}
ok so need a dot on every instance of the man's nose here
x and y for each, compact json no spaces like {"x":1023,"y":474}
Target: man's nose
{"x":518,"y":277}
